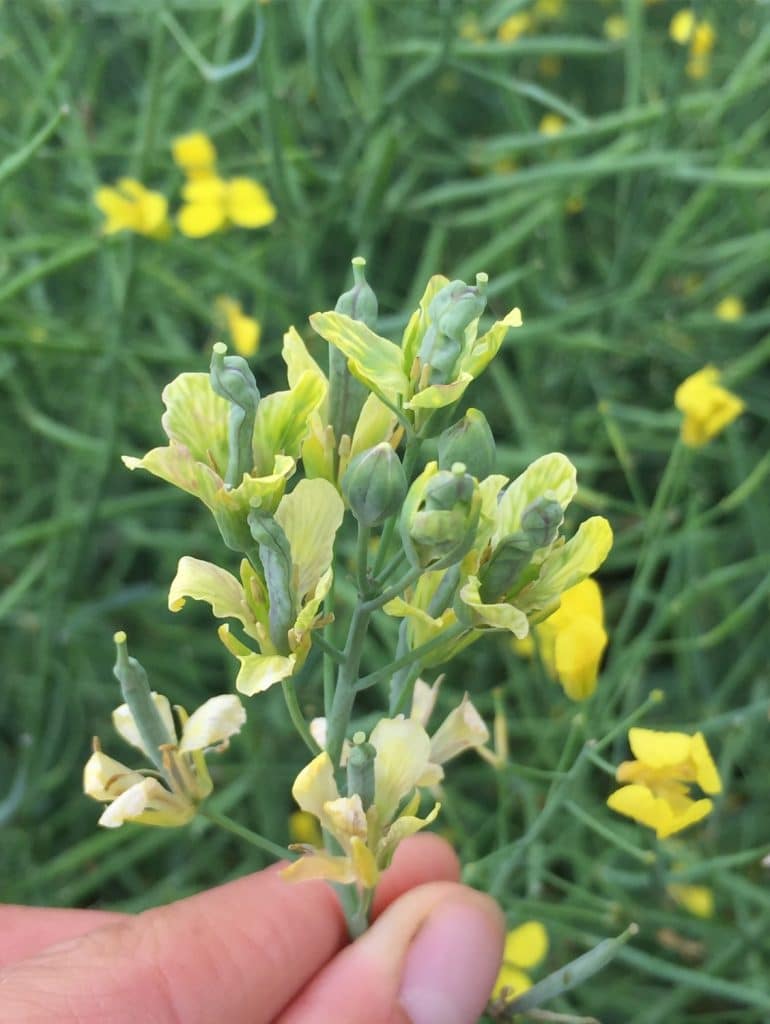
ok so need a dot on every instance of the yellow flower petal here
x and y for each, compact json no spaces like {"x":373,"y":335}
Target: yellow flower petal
{"x":213,"y":723}
{"x":498,"y":616}
{"x":641,"y":804}
{"x":149,"y":803}
{"x":248,"y":204}
{"x":104,"y":778}
{"x":578,"y":651}
{"x":315,"y":786}
{"x":203,"y":581}
{"x":551,"y":124}
{"x":403,"y":753}
{"x":706,"y":774}
{"x":708,"y":408}
{"x":513,"y":980}
{"x":552,"y":475}
{"x":526,"y":945}
{"x":462,"y":729}
{"x":730,"y":308}
{"x":698,"y":899}
{"x":659,"y":749}
{"x":194,"y":153}
{"x":580,"y":557}
{"x":682,"y":26}
{"x":515,"y":26}
{"x":304,"y":828}
{"x":196,"y":220}
{"x":126,"y":727}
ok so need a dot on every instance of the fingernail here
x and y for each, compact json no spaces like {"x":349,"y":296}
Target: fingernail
{"x":452,"y":963}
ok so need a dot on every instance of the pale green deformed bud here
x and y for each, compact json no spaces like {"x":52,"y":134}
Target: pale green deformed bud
{"x":540,"y":524}
{"x":452,"y":310}
{"x":442,"y":529}
{"x":374,"y":485}
{"x":469,"y":441}
{"x":541,"y":520}
{"x":232,"y":379}
{"x":135,"y":688}
{"x":346,"y":394}
{"x":360,"y":768}
{"x":275,"y":556}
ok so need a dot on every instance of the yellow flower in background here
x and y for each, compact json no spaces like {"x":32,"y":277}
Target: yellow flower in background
{"x":572,"y":640}
{"x":657,"y":790}
{"x":708,"y":407}
{"x":616,"y":27}
{"x":730,"y":308}
{"x":551,"y":124}
{"x":304,"y":828}
{"x":550,"y":66}
{"x":129,"y":206}
{"x":698,"y":899}
{"x":213,"y":203}
{"x":196,"y":155}
{"x":245,"y":332}
{"x":549,"y":9}
{"x":525,"y":947}
{"x":470,"y":29}
{"x":515,"y":26}
{"x":682,"y":26}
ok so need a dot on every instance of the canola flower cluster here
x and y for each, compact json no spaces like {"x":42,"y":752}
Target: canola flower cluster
{"x":460,"y":552}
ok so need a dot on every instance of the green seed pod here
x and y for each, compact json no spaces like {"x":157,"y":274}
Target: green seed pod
{"x":346,"y":394}
{"x":374,"y":485}
{"x":275,"y":556}
{"x":469,"y":441}
{"x":360,"y":769}
{"x":232,"y":379}
{"x":540,"y":521}
{"x":135,"y":687}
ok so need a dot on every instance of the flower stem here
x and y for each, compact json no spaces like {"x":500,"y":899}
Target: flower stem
{"x":297,"y":718}
{"x":279,"y":852}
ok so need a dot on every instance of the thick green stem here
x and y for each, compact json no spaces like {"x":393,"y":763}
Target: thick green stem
{"x":411,"y":657}
{"x":345,"y":692}
{"x":394,"y":591}
{"x":362,"y":560}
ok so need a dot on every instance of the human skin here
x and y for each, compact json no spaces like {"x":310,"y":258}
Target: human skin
{"x":261,"y":950}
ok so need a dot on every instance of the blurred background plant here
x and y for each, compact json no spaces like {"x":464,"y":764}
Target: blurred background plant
{"x":606,"y":164}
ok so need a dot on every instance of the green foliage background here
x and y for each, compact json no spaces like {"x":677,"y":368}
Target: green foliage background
{"x":378,"y":130}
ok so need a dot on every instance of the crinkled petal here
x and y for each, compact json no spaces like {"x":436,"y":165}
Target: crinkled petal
{"x":283,"y":418}
{"x":484,"y":349}
{"x":403,"y":754}
{"x":315,"y":786}
{"x":310,"y":517}
{"x":372,"y":359}
{"x":552,"y":475}
{"x":203,"y":581}
{"x":498,"y":616}
{"x":437,"y":396}
{"x":376,"y":423}
{"x":149,"y":803}
{"x":104,"y":778}
{"x":420,"y":321}
{"x":567,"y":565}
{"x":198,"y":418}
{"x":424,"y":697}
{"x":321,"y":865}
{"x":462,"y":729}
{"x":214,"y":722}
{"x":404,"y":826}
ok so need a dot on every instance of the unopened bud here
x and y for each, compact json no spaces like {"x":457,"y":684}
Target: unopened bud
{"x":360,"y":768}
{"x":449,"y":487}
{"x":360,"y":303}
{"x":451,"y":310}
{"x":231,"y":378}
{"x":540,"y":521}
{"x":446,"y":519}
{"x":346,"y":394}
{"x":374,"y":485}
{"x":469,"y":441}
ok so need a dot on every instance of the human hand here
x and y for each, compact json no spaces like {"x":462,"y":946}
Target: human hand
{"x":261,"y":950}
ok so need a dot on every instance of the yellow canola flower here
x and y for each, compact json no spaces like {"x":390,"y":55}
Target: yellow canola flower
{"x":708,"y":407}
{"x":551,"y":124}
{"x":682,"y":26}
{"x":698,"y":899}
{"x":730,"y":308}
{"x":195,"y":155}
{"x":517,"y":25}
{"x":245,"y":332}
{"x":129,"y":206}
{"x":572,"y":640}
{"x":525,"y":947}
{"x":549,"y":9}
{"x":173,"y":800}
{"x":304,"y":828}
{"x":657,"y":784}
{"x":212,"y":203}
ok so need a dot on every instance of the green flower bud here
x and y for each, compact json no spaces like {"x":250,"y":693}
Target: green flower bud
{"x":232,"y":379}
{"x":360,"y":303}
{"x":346,"y":394}
{"x":360,"y":770}
{"x":541,"y":520}
{"x":470,"y":441}
{"x":275,"y":556}
{"x":135,"y":687}
{"x":444,"y":526}
{"x":374,"y":485}
{"x":452,"y":309}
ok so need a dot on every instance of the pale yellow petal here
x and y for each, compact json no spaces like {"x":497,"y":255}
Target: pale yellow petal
{"x":321,"y":865}
{"x":497,"y":616}
{"x":698,"y":899}
{"x":258,"y":672}
{"x":104,"y":778}
{"x":403,"y":753}
{"x":372,"y":359}
{"x":310,"y":517}
{"x":567,"y":565}
{"x":213,"y":723}
{"x":203,"y":581}
{"x":462,"y":729}
{"x":315,"y":785}
{"x":552,"y":475}
{"x":149,"y":803}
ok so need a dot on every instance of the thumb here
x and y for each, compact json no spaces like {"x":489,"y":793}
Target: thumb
{"x":431,"y":958}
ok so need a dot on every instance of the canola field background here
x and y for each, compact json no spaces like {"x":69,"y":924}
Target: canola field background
{"x":607,"y":163}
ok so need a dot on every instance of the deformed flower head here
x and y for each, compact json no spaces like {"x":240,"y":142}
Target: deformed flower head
{"x":657,"y":790}
{"x":172,"y":798}
{"x":129,"y":206}
{"x":708,"y":407}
